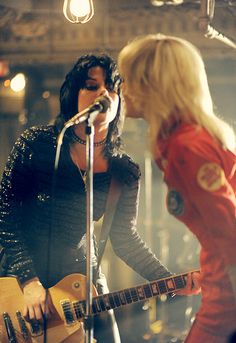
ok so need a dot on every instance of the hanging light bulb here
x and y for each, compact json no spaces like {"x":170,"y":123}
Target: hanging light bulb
{"x":78,"y":11}
{"x":18,"y":82}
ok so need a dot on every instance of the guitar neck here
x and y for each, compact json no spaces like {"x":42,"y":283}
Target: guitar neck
{"x":131,"y":295}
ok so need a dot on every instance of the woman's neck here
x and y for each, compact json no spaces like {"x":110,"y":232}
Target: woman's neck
{"x":99,"y":134}
{"x":79,"y":157}
{"x":169,"y":126}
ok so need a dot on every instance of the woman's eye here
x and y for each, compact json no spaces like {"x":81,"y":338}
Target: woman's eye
{"x":109,"y":87}
{"x":91,"y":87}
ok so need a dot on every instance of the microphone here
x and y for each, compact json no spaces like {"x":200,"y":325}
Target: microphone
{"x":100,"y":105}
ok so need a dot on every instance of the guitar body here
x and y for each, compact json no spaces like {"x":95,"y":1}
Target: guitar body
{"x":72,"y":288}
{"x":68,"y":298}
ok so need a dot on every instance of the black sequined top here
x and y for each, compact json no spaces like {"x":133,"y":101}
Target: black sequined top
{"x":43,"y":213}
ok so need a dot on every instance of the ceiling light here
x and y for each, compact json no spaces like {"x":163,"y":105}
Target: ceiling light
{"x":159,"y":3}
{"x":78,"y":11}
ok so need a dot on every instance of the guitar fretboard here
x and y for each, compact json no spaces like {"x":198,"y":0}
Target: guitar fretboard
{"x":131,"y":295}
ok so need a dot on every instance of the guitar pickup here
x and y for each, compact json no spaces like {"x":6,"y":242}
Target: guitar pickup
{"x":22,"y":325}
{"x":68,"y":312}
{"x":9,"y":328}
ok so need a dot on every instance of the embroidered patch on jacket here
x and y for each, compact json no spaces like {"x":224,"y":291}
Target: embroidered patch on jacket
{"x":210,"y":177}
{"x":175,"y":203}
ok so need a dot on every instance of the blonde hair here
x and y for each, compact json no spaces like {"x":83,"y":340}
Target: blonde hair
{"x":165,"y":76}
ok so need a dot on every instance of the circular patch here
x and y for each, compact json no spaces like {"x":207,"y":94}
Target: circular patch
{"x":175,"y":203}
{"x":210,"y":177}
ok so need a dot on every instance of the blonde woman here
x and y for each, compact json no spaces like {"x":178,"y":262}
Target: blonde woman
{"x":166,"y":84}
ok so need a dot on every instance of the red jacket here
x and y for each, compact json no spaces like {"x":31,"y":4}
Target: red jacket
{"x":201,"y":180}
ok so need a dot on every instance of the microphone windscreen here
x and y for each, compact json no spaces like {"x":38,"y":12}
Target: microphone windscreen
{"x":105,"y":102}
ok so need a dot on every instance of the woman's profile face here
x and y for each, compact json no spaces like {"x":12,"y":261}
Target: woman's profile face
{"x":130,"y":109}
{"x":95,"y":86}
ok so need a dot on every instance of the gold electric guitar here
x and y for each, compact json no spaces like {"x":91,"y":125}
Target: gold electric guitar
{"x":70,"y":309}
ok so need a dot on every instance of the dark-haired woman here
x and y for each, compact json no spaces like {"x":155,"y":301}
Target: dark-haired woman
{"x":37,"y":218}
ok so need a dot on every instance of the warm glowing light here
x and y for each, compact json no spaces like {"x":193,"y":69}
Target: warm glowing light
{"x":7,"y":83}
{"x":159,"y":3}
{"x":156,"y":327}
{"x":188,"y":311}
{"x":46,"y":95}
{"x":78,"y":11}
{"x":18,"y":82}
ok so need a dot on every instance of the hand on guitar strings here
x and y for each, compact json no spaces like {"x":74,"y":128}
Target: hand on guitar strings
{"x":193,"y":285}
{"x":37,"y":301}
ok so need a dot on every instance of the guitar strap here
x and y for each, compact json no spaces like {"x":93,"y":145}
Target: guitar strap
{"x":2,"y":260}
{"x":111,"y":203}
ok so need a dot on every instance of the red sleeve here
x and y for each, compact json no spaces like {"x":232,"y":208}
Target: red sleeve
{"x":203,"y":180}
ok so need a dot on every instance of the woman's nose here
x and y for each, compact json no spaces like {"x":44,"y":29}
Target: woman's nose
{"x":104,"y":91}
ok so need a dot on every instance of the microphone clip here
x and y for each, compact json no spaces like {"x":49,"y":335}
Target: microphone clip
{"x":100,"y":105}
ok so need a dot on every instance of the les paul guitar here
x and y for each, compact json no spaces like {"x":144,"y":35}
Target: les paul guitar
{"x":69,"y":310}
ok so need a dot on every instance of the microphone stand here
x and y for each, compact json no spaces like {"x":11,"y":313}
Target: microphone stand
{"x":88,"y":320}
{"x":89,"y":131}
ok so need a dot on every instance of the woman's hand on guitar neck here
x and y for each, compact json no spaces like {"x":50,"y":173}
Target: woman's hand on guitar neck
{"x":193,"y":286}
{"x":38,"y":303}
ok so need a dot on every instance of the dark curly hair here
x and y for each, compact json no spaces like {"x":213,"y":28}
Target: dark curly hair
{"x":75,"y":80}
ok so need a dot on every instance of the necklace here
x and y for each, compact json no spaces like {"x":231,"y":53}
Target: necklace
{"x":83,"y":173}
{"x":83,"y":142}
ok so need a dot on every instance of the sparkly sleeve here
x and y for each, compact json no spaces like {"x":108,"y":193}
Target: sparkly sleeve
{"x":125,"y":239}
{"x":15,"y":186}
